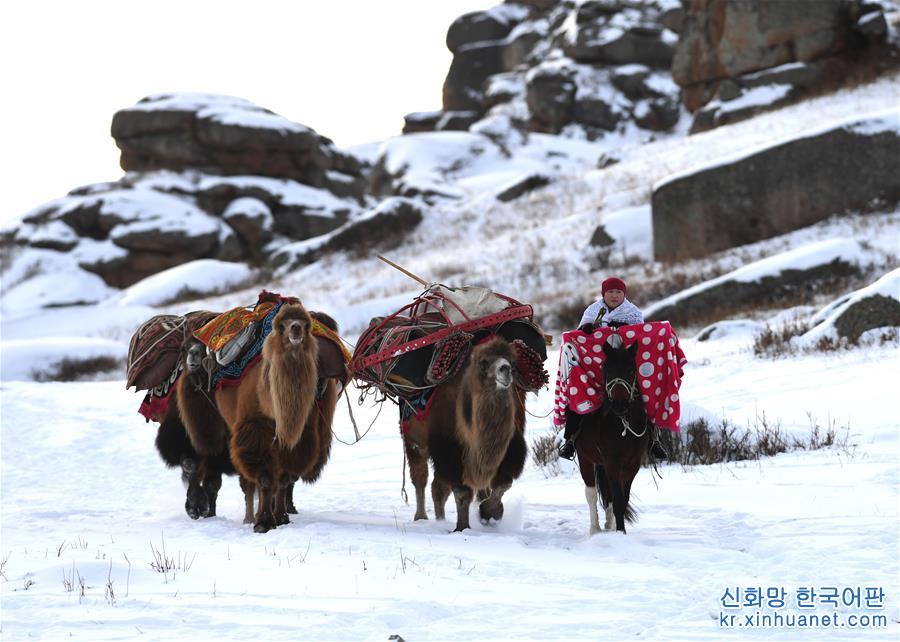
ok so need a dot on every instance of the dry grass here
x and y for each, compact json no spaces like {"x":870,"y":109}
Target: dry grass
{"x":70,"y":369}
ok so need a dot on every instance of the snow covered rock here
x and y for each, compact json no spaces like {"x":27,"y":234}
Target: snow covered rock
{"x":223,"y":135}
{"x":797,"y":273}
{"x":779,"y":188}
{"x":875,"y":306}
{"x":384,"y":227}
{"x":548,"y":67}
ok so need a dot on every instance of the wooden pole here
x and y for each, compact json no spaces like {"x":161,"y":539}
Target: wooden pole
{"x":406,"y":272}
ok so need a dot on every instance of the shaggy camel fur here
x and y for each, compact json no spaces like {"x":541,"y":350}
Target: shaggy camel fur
{"x":202,"y":475}
{"x":207,"y":431}
{"x":474,"y":435}
{"x":269,"y":410}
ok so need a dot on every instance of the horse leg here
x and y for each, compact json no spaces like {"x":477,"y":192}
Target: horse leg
{"x":265,"y":516}
{"x":605,"y":497}
{"x":418,"y":473}
{"x":463,"y":496}
{"x":440,"y":491}
{"x":195,"y":503}
{"x":212,"y":483}
{"x":619,"y":501}
{"x":590,"y":495}
{"x":249,"y":489}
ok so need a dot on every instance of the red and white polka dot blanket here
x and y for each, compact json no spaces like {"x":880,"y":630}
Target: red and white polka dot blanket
{"x":660,"y":361}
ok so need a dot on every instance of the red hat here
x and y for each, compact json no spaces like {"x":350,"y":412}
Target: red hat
{"x":613,"y":283}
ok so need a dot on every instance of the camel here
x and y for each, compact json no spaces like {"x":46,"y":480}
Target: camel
{"x":204,"y":426}
{"x":275,"y":434}
{"x":473,"y":434}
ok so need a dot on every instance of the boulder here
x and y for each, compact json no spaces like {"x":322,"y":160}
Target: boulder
{"x":550,"y":93}
{"x":657,"y":114}
{"x":778,"y":189}
{"x":477,"y":26}
{"x":877,"y":311}
{"x":252,"y":221}
{"x":223,"y":135}
{"x":471,"y":66}
{"x":728,"y":38}
{"x":421,"y":121}
{"x":522,"y":186}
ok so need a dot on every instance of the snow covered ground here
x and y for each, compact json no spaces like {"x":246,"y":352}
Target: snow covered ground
{"x":87,"y":500}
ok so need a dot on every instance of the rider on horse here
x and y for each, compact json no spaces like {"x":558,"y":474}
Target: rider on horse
{"x":612,"y":309}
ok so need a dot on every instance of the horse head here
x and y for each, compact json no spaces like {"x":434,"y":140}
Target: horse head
{"x":619,"y":375}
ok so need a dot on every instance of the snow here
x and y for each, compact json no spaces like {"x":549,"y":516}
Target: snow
{"x":801,"y":258}
{"x":203,"y":276}
{"x":353,"y":564}
{"x":756,"y":97}
{"x":872,"y":123}
{"x":228,"y":110}
{"x":38,"y":278}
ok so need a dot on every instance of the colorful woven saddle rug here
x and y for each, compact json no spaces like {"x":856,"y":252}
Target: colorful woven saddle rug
{"x":659,"y":361}
{"x":219,"y":333}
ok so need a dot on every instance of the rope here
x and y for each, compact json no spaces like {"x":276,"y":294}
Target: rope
{"x":403,"y":494}
{"x":179,"y":325}
{"x":353,"y":421}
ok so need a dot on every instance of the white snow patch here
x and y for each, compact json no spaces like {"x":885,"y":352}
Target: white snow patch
{"x":202,"y":276}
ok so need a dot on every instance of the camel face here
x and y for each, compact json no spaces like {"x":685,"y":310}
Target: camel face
{"x":495,"y":369}
{"x":193,"y":356}
{"x":293,"y":323}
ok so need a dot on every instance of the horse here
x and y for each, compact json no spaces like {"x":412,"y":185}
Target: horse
{"x":614,"y":439}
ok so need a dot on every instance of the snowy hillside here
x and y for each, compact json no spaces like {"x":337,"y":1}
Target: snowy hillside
{"x":96,"y":544}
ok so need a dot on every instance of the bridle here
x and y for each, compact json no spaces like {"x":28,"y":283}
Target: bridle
{"x":631,"y":389}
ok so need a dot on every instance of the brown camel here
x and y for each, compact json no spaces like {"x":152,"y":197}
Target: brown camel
{"x":474,"y":435}
{"x":268,"y":413}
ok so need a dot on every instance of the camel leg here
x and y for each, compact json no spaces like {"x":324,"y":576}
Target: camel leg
{"x":196,"y":503}
{"x":418,"y":473}
{"x":265,"y":516}
{"x":463,"y":496}
{"x":281,"y":499}
{"x":289,"y":506}
{"x":492,"y":506}
{"x":211,"y":485}
{"x":440,"y":491}
{"x":249,"y":489}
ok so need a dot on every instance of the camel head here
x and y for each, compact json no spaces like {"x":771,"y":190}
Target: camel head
{"x":293,"y":325}
{"x":192,"y":352}
{"x":494,"y":360}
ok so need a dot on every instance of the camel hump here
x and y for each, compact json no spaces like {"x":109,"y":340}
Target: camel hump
{"x":324,"y":319}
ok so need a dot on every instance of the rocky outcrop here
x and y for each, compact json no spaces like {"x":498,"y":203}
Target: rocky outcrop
{"x":851,"y":167}
{"x":230,"y":136}
{"x":813,"y":45}
{"x":209,"y":177}
{"x":550,"y":66}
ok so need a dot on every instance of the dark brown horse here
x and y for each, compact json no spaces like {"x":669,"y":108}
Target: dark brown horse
{"x":613,"y":439}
